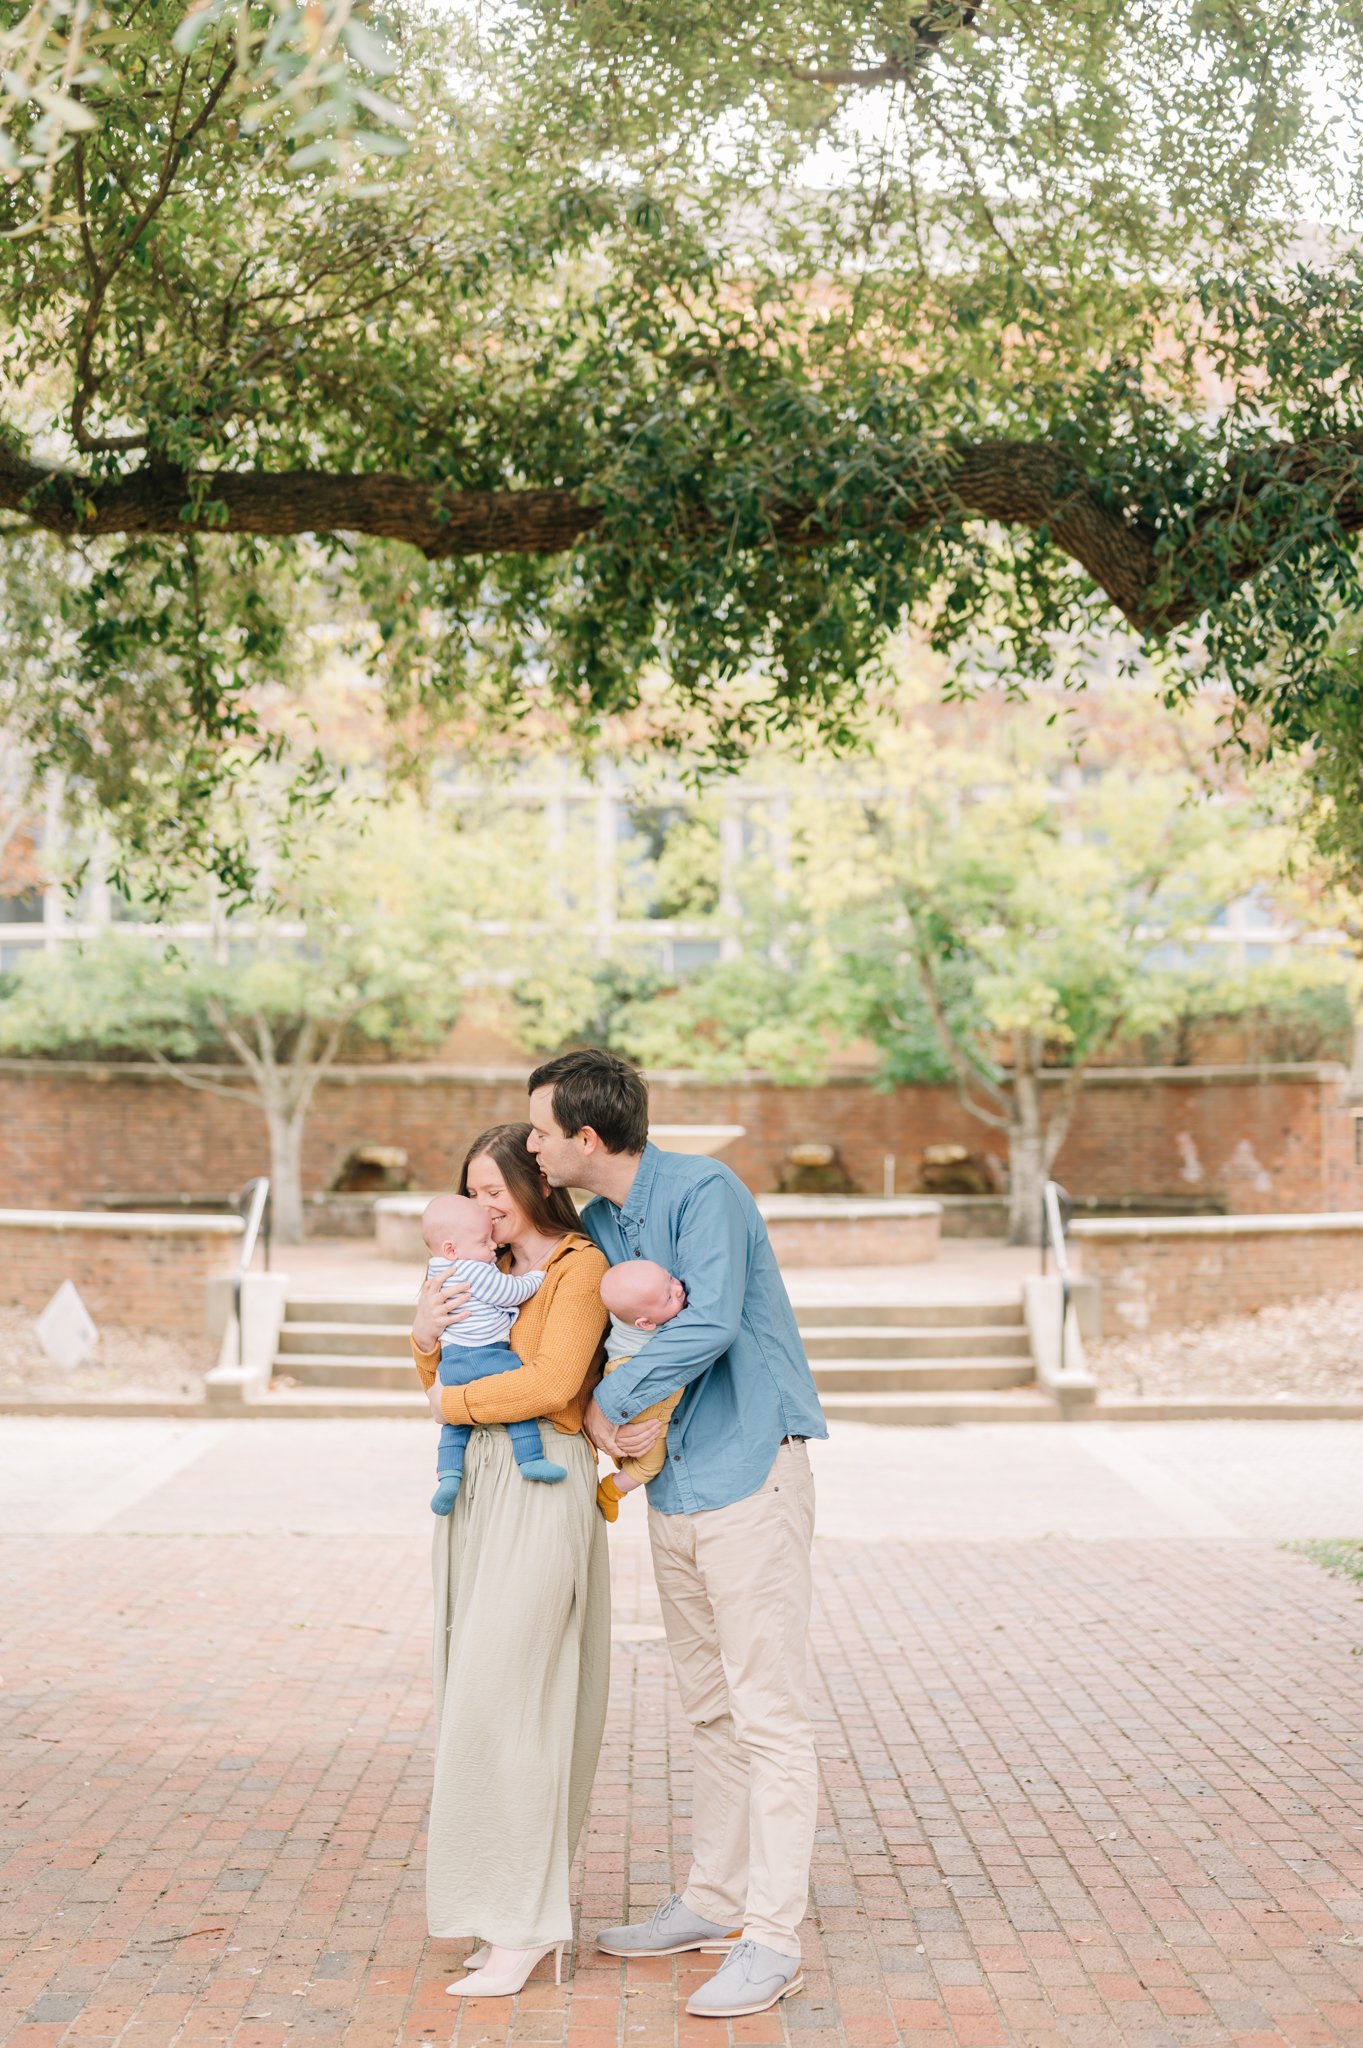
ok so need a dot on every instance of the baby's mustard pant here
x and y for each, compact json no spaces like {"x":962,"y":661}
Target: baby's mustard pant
{"x":651,"y":1463}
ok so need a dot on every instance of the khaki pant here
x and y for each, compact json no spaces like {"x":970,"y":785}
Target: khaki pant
{"x":735,"y":1587}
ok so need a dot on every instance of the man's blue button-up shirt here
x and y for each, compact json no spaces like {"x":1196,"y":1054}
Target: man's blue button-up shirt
{"x":735,"y":1347}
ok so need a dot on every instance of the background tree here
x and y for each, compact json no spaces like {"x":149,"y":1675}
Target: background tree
{"x":1026,"y":346}
{"x":1071,"y":916}
{"x":982,"y":907}
{"x":1325,"y":790}
{"x":366,"y":945}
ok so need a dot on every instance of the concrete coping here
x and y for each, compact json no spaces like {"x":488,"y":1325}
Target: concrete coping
{"x":124,"y":1225}
{"x":782,"y":1208}
{"x":1216,"y":1226}
{"x":844,"y":1208}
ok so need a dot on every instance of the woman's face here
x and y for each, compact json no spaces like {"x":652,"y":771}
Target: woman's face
{"x":486,"y":1185}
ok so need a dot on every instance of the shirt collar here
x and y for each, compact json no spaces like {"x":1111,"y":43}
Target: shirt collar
{"x":635,"y":1202}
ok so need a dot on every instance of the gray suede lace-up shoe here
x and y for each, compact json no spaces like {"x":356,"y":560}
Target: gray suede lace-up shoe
{"x":673,"y":1930}
{"x":749,"y":1979}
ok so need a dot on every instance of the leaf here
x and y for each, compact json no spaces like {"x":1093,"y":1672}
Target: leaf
{"x":369,"y":47}
{"x":69,"y":113}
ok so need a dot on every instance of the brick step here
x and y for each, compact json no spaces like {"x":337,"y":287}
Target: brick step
{"x":812,"y":1315}
{"x":908,"y":1340}
{"x":1020,"y":1404}
{"x":920,"y":1375}
{"x":347,"y":1339}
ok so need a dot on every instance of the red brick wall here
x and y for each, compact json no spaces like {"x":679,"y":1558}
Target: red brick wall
{"x":148,"y":1278}
{"x":1161,"y":1280}
{"x":1275,"y":1139}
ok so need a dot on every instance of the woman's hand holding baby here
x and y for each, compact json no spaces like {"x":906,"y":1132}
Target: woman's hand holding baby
{"x":437,"y":1305}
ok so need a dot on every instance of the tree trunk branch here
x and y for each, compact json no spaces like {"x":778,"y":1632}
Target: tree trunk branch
{"x":965,"y":1073}
{"x":187,"y":1080}
{"x":1014,"y":483}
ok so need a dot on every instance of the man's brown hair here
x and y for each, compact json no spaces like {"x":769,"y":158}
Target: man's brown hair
{"x":595,"y":1091}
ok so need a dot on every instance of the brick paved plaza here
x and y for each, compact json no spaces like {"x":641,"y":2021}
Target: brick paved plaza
{"x":1092,"y":1746}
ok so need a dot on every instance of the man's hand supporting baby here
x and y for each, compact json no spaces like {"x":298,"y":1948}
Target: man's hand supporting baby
{"x":630,"y":1440}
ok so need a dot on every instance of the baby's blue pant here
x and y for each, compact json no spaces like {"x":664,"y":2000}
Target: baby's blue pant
{"x":460,"y":1365}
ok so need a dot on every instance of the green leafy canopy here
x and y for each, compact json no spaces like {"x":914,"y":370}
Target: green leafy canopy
{"x":676,"y":357}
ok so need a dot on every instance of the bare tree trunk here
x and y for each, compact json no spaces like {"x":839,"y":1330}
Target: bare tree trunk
{"x":1027,"y":1161}
{"x":286,"y":1170}
{"x":1356,"y":1063}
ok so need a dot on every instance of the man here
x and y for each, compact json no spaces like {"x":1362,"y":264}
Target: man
{"x":731,"y":1520}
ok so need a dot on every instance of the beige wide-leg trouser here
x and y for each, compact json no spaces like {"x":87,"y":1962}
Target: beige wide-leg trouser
{"x":735,"y":1586}
{"x":522,"y":1670}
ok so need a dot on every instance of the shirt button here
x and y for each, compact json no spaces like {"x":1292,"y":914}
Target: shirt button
{"x":676,"y":1457}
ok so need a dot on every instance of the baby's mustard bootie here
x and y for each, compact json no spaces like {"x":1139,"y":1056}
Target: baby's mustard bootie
{"x":609,"y":1497}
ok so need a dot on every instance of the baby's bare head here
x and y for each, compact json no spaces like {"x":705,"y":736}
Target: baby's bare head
{"x":454,"y":1227}
{"x":643,"y":1294}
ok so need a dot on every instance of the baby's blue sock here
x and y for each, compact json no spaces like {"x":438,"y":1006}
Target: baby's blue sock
{"x":540,"y":1468}
{"x":446,"y":1494}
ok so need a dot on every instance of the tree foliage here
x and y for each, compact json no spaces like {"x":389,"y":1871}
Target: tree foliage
{"x":684,"y":354}
{"x":366,"y":948}
{"x":974,"y":906}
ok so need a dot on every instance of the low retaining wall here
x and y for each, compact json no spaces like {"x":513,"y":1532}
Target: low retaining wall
{"x":807,"y":1230}
{"x":1241,"y":1139}
{"x":1164,"y":1273}
{"x":149,"y":1271}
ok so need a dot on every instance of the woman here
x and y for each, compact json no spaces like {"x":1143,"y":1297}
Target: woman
{"x":522,"y":1594}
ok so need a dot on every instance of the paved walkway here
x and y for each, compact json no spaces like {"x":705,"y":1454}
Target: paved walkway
{"x":1092,"y":1745}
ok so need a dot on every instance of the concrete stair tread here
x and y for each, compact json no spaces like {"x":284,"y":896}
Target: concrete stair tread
{"x":341,"y":1361}
{"x":813,"y":1315}
{"x":349,"y":1329}
{"x":342,"y":1402}
{"x":948,"y":1362}
{"x":339,"y":1339}
{"x":888,"y":1362}
{"x":892,"y":1344}
{"x":954,"y":1341}
{"x":966,"y":1404}
{"x":384,"y":1310}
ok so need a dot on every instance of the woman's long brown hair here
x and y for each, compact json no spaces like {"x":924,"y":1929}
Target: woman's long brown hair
{"x":546,"y":1209}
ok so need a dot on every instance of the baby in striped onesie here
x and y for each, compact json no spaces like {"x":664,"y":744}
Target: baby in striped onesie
{"x":458,"y":1235}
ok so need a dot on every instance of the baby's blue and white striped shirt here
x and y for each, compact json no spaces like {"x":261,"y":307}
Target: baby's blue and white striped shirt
{"x":494,"y":1298}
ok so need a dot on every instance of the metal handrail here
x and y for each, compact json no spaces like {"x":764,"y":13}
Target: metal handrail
{"x":1053,"y":1230}
{"x":254,"y":1204}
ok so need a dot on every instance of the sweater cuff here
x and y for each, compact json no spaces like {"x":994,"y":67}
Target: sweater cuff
{"x":454,"y":1406}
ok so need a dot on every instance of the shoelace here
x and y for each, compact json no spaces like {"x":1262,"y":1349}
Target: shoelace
{"x":741,"y":1952}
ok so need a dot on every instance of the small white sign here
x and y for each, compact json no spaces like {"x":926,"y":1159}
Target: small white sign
{"x":66,"y":1330}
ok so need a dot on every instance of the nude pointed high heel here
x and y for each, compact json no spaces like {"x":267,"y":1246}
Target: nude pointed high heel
{"x":477,"y":1957}
{"x":491,"y":1982}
